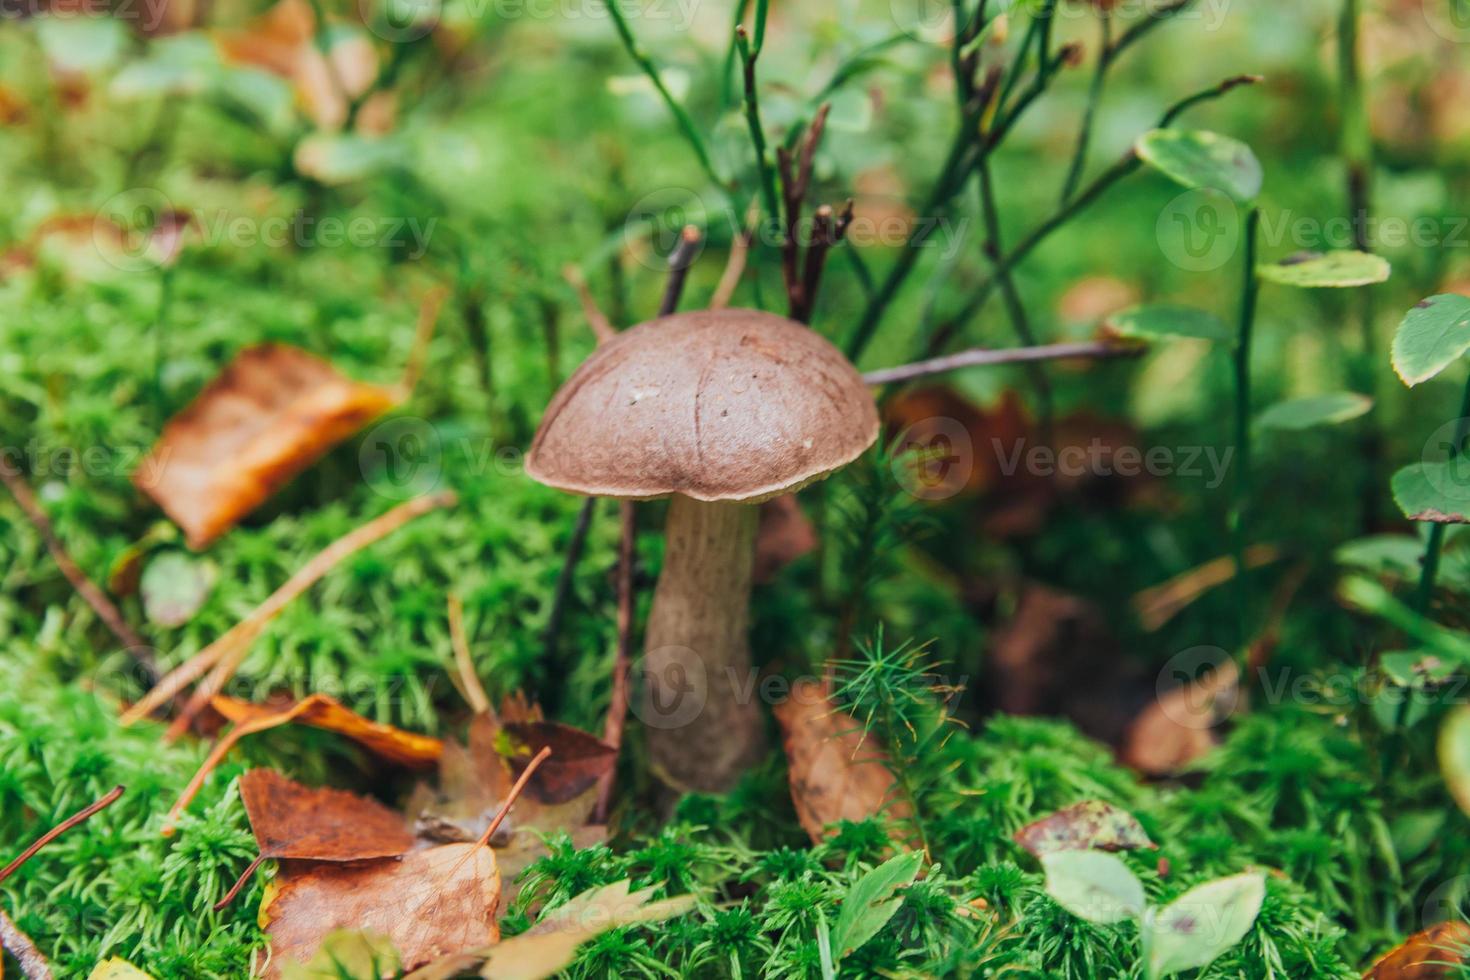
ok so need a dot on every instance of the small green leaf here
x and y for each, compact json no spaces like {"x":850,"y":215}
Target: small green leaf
{"x":1306,"y":413}
{"x":1202,"y":159}
{"x":1415,"y":668}
{"x":81,"y":44}
{"x":1195,"y":928}
{"x":1326,"y":270}
{"x":871,"y":902}
{"x":1438,"y":492}
{"x":1093,"y":885}
{"x":1091,"y":824}
{"x":174,"y":586}
{"x":1432,"y":336}
{"x":1454,"y":755}
{"x":1168,"y":320}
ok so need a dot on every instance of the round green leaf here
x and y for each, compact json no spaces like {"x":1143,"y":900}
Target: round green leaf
{"x":1431,"y":337}
{"x":1156,"y":320}
{"x":1198,"y":926}
{"x":1202,"y":159}
{"x":1438,"y":492}
{"x":81,"y":44}
{"x":174,"y":586}
{"x":1454,"y":755}
{"x":1326,"y":270}
{"x":1093,"y":885}
{"x":1306,"y":413}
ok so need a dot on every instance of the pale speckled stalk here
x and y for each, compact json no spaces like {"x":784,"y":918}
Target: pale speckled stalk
{"x":698,"y":649}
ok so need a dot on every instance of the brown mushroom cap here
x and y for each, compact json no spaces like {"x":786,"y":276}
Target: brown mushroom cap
{"x":715,"y":405}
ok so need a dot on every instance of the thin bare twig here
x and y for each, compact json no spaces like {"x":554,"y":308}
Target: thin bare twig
{"x":245,"y":876}
{"x":564,"y":580}
{"x":827,"y":231}
{"x":596,"y":319}
{"x":32,"y":963}
{"x":429,"y":308}
{"x":464,"y":664}
{"x":101,"y":804}
{"x":111,"y":617}
{"x":680,"y":260}
{"x":984,"y":357}
{"x":735,"y":264}
{"x":510,"y":798}
{"x":225,"y":653}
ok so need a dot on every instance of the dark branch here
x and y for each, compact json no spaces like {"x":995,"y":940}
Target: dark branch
{"x":680,"y":259}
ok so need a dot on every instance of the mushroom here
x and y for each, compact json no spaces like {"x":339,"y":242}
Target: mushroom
{"x":717,"y":410}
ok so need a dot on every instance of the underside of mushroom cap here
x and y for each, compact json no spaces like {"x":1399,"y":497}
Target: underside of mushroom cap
{"x":715,"y":405}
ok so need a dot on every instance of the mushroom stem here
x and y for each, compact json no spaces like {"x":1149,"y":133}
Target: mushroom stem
{"x":700,"y":709}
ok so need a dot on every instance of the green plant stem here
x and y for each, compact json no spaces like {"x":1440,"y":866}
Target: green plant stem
{"x":1123,"y":168}
{"x":1094,"y":98}
{"x":727,"y":88}
{"x":681,"y":118}
{"x":1429,"y":570}
{"x":765,"y":172}
{"x":1241,"y":486}
{"x":1015,"y":309}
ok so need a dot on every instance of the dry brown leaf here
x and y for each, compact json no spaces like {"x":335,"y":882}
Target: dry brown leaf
{"x":1438,"y":951}
{"x":475,"y":780}
{"x":290,"y":820}
{"x":325,"y":712}
{"x":318,"y":711}
{"x":270,"y":414}
{"x":551,"y":944}
{"x":835,"y":773}
{"x":1091,"y":824}
{"x":783,"y":535}
{"x":578,"y":759}
{"x":282,"y":41}
{"x":428,"y":904}
{"x":1179,"y":726}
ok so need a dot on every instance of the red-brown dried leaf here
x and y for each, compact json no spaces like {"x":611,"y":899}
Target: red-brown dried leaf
{"x":1439,"y":951}
{"x":578,"y":760}
{"x":1091,"y":824}
{"x":835,"y":773}
{"x":303,"y":822}
{"x":429,"y":903}
{"x":269,"y":415}
{"x":322,"y":711}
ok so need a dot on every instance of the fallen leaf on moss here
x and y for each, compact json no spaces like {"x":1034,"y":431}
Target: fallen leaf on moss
{"x":428,"y":904}
{"x":475,"y":780}
{"x":318,"y":711}
{"x":347,"y":953}
{"x":578,"y":759}
{"x":1439,"y":951}
{"x":1091,"y":824}
{"x":295,"y":821}
{"x":1179,"y":726}
{"x":835,"y":773}
{"x":270,"y":414}
{"x":325,"y":712}
{"x":117,"y":968}
{"x":550,"y":945}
